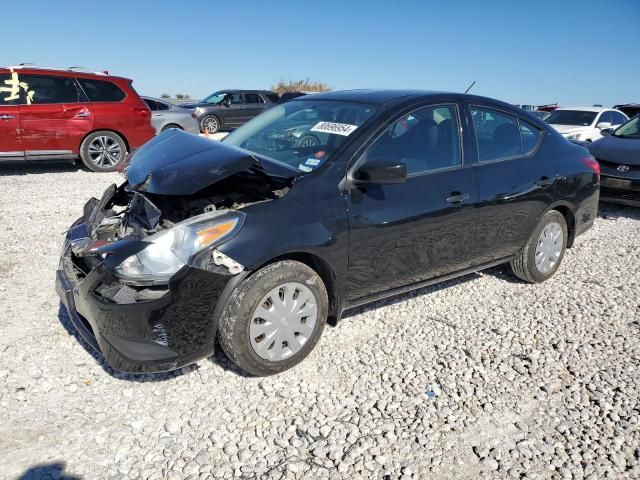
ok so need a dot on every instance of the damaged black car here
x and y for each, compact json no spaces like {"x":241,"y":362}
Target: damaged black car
{"x":320,"y":204}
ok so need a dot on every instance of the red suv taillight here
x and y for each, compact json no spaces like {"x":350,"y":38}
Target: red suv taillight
{"x":593,"y":164}
{"x":142,"y":111}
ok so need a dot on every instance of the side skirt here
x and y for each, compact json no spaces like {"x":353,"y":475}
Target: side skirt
{"x":425,"y":283}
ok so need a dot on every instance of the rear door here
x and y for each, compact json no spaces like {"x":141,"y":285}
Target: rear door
{"x":254,"y":105}
{"x":10,"y":136}
{"x":516,"y":180}
{"x":403,"y":233}
{"x":157,"y":117}
{"x":54,"y":117}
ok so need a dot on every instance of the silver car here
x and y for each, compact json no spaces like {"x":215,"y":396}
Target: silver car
{"x":165,"y":115}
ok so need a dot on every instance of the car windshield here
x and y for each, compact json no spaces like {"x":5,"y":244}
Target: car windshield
{"x":631,"y":129}
{"x":571,"y":117}
{"x":303,"y":134}
{"x":215,"y":98}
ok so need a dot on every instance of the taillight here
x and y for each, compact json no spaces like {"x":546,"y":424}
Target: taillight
{"x":142,"y":111}
{"x":593,"y":164}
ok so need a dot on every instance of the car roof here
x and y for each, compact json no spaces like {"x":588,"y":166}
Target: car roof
{"x":67,"y":72}
{"x":585,"y":109}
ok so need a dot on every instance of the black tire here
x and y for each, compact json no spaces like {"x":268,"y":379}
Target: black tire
{"x":170,"y":126}
{"x":233,"y":330}
{"x":212,"y":121}
{"x":87,"y":155}
{"x":524,"y":266}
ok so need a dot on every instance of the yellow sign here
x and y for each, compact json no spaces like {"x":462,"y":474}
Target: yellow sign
{"x":13,"y":89}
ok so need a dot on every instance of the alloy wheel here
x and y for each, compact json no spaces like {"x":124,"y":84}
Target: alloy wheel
{"x":105,"y":151}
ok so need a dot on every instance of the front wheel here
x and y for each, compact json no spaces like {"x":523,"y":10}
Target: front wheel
{"x":102,"y":151}
{"x":544,"y":251}
{"x":274,"y":318}
{"x":209,"y":124}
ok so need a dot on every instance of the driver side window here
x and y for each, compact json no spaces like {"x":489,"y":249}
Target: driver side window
{"x":235,"y":98}
{"x":424,"y":140}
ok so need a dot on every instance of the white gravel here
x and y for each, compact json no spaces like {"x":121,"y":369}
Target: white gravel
{"x":482,"y":377}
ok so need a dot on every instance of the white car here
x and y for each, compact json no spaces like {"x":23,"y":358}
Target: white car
{"x":584,"y":123}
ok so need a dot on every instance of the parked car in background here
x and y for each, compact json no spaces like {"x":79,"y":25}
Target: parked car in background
{"x":228,"y":109}
{"x":584,"y":123}
{"x":50,"y":113}
{"x":165,"y":115}
{"x":619,"y":158}
{"x":540,"y":114}
{"x":629,"y":109}
{"x":259,"y":243}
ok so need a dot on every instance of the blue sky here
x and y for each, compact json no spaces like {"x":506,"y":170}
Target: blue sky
{"x":542,"y":51}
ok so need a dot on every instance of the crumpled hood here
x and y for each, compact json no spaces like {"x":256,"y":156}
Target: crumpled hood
{"x":617,"y":150}
{"x":567,"y":129}
{"x":180,"y":163}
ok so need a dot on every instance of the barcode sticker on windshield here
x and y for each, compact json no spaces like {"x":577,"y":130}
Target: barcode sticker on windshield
{"x":343,"y":129}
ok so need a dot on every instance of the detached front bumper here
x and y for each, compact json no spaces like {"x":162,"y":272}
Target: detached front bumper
{"x":142,"y":329}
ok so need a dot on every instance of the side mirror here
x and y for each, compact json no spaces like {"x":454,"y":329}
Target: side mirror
{"x":607,"y":131}
{"x":602,"y":125}
{"x":381,"y":172}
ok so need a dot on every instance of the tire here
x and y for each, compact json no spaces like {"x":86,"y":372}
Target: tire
{"x":210,"y":122}
{"x":171,"y":126}
{"x":235,"y":329}
{"x":552,"y":226}
{"x":102,"y":151}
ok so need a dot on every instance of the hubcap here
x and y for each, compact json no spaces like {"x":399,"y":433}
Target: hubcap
{"x":549,"y":247}
{"x":210,"y":125}
{"x":283,"y":321}
{"x":105,"y":151}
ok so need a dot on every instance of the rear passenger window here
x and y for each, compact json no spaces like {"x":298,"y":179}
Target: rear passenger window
{"x":425,"y":140}
{"x":50,"y":89}
{"x":153,"y":106}
{"x":101,"y":90}
{"x":252,"y":98}
{"x":530,"y":136}
{"x":497,"y":134}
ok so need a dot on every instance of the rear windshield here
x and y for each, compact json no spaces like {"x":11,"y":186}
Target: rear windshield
{"x":101,"y":90}
{"x":571,"y":117}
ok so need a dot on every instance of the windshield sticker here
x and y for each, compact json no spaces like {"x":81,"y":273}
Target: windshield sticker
{"x":302,"y":167}
{"x":312,"y":162}
{"x":343,"y":129}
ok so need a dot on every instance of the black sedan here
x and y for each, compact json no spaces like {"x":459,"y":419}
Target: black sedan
{"x":619,"y":158}
{"x":260,"y":242}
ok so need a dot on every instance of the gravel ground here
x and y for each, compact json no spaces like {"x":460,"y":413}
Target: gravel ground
{"x":481,"y":377}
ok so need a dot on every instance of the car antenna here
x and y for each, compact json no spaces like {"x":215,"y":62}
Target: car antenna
{"x":470,"y":87}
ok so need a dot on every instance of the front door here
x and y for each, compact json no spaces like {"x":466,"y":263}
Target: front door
{"x":420,"y":229}
{"x":234,"y":114}
{"x":516,"y":177}
{"x":10,"y":137}
{"x":53,"y":119}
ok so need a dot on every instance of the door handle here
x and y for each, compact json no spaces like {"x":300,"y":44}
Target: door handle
{"x":457,"y":198}
{"x":544,"y":182}
{"x":83,"y":115}
{"x":7,"y":117}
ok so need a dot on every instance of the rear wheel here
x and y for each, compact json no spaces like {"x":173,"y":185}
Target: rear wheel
{"x":544,"y":251}
{"x":171,"y":126}
{"x":274,"y":318}
{"x":102,"y":151}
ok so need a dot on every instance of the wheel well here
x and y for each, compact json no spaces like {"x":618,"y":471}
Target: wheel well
{"x":173,"y":125}
{"x":124,"y":139}
{"x":571,"y":222}
{"x":324,"y":270}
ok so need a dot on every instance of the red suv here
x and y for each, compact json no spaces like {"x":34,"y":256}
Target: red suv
{"x":48,"y":113}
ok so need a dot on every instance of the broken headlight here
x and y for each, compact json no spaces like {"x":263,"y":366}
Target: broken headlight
{"x":171,"y":249}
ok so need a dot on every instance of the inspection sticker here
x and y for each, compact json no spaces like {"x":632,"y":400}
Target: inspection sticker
{"x":343,"y":129}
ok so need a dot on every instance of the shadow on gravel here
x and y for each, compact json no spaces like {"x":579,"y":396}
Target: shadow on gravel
{"x":48,"y":471}
{"x":63,"y":316}
{"x":35,"y":167}
{"x":610,"y":211}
